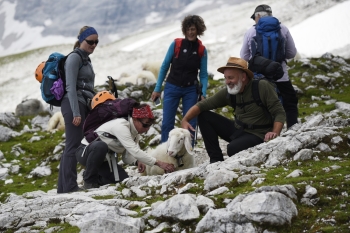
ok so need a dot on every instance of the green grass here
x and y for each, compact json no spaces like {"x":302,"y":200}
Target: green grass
{"x":34,"y":154}
{"x":335,"y":88}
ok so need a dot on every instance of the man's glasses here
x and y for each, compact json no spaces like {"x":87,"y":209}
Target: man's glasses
{"x":92,"y":42}
{"x":145,"y":125}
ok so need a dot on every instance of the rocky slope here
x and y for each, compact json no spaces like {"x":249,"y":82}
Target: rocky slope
{"x":294,"y":183}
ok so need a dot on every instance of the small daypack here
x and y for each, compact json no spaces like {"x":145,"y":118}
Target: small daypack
{"x":53,"y":85}
{"x":106,"y":111}
{"x":269,"y":41}
{"x":178,"y":42}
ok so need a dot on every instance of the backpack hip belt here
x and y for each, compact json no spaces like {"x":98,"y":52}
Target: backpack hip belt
{"x":112,"y":159}
{"x":108,"y":135}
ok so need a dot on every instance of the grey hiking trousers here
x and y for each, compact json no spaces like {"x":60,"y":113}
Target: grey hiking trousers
{"x":67,"y":178}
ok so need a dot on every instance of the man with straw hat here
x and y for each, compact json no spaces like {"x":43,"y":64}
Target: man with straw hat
{"x":250,"y":126}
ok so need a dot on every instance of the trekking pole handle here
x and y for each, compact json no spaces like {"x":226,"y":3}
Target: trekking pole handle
{"x":114,"y":88}
{"x":199,"y":92}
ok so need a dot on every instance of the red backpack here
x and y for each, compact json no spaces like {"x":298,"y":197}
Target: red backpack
{"x":178,"y":42}
{"x":106,"y":111}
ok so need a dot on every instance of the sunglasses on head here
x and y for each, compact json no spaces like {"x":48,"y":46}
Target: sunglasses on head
{"x":92,"y":42}
{"x":145,"y":125}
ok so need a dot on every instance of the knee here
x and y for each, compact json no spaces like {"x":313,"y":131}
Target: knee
{"x":231,"y":149}
{"x":99,"y":149}
{"x":168,"y":120}
{"x":101,"y":146}
{"x":202,"y":117}
{"x":242,"y":143}
{"x":167,"y":126}
{"x":290,"y":100}
{"x":290,"y":106}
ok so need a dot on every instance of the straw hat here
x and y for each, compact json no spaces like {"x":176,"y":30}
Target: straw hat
{"x":238,"y":63}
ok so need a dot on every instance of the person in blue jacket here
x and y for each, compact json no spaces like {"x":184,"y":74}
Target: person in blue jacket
{"x":186,"y":56}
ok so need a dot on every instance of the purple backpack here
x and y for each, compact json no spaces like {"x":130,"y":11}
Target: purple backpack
{"x":106,"y":111}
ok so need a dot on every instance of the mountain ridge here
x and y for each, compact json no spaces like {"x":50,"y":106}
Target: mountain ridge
{"x":112,"y":19}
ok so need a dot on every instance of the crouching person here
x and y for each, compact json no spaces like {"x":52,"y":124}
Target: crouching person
{"x":117,"y":136}
{"x":252,"y":124}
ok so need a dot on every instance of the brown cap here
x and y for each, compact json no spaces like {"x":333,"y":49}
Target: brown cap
{"x":238,"y":63}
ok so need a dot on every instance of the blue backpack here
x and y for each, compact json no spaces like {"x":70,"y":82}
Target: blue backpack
{"x":53,"y":84}
{"x":268,"y":52}
{"x":269,"y":41}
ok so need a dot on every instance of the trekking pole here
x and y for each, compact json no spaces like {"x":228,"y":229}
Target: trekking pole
{"x":112,"y":86}
{"x":199,"y":92}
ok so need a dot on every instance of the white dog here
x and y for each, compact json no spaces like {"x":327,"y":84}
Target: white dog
{"x":143,"y":77}
{"x":152,"y":66}
{"x":56,"y":122}
{"x":177,"y":150}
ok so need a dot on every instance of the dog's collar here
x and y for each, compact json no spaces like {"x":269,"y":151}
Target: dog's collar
{"x":179,"y":160}
{"x":179,"y":156}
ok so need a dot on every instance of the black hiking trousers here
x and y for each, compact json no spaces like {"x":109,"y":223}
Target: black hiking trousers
{"x":97,"y":170}
{"x":213,"y":126}
{"x":290,"y":101}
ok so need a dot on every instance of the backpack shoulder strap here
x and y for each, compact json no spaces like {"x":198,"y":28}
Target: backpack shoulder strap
{"x":256,"y":93}
{"x":232,"y":100}
{"x":256,"y":43}
{"x":257,"y":99}
{"x":201,"y":48}
{"x":178,"y":42}
{"x":84,"y":61}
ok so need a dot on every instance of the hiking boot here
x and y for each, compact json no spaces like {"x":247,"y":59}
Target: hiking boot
{"x":88,"y":185}
{"x":78,"y":189}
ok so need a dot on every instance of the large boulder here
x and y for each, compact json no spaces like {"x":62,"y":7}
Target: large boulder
{"x":9,"y":119}
{"x":29,"y":107}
